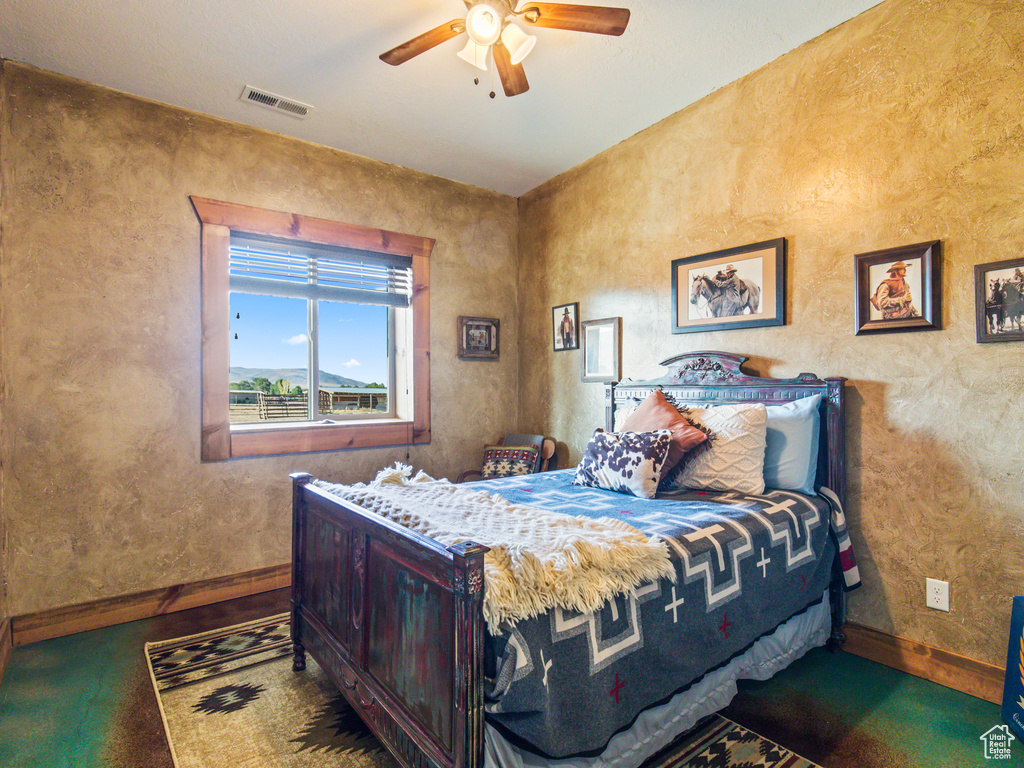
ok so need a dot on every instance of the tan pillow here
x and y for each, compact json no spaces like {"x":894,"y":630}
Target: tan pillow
{"x":655,"y":413}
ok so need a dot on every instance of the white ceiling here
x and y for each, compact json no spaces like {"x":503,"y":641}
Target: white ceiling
{"x":587,"y":92}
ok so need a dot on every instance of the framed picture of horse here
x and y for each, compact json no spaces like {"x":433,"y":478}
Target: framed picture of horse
{"x":899,"y":289}
{"x":740,"y":287}
{"x":999,"y":300}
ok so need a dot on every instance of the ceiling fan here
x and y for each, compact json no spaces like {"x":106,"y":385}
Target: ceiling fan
{"x":490,"y":21}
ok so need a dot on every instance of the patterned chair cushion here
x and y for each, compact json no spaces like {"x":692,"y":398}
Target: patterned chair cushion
{"x":625,"y":462}
{"x":509,"y":460}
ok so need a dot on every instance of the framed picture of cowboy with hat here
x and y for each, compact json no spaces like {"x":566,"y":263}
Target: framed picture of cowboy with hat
{"x":565,"y":326}
{"x":899,"y":289}
{"x":740,"y":287}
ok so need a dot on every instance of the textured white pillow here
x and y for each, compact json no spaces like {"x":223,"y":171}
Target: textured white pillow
{"x":735,"y":459}
{"x":622,"y":413}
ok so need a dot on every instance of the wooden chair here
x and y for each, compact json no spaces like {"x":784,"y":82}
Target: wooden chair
{"x":547,"y":459}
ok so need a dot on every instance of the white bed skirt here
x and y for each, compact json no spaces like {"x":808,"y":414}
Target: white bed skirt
{"x":656,"y":727}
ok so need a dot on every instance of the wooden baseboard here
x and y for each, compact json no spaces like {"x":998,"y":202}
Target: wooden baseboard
{"x":985,"y":681}
{"x":58,"y":622}
{"x":6,"y":644}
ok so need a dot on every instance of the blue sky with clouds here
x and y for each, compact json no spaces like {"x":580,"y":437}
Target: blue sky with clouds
{"x":272,"y":334}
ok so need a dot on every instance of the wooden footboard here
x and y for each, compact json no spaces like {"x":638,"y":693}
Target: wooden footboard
{"x":396,"y":620}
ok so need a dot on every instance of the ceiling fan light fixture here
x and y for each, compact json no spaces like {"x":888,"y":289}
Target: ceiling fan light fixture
{"x":519,"y":43}
{"x":475,"y":54}
{"x":483,"y":23}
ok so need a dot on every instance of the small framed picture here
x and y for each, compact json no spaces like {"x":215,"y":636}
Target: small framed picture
{"x":602,"y":349}
{"x":740,"y":287}
{"x":478,"y":338}
{"x":565,"y":326}
{"x":999,"y":300}
{"x":899,"y":289}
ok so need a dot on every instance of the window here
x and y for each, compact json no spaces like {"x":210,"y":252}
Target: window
{"x":303,"y":315}
{"x":291,"y":305}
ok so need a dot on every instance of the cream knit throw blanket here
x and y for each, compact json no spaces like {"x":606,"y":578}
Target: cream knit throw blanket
{"x":538,"y":560}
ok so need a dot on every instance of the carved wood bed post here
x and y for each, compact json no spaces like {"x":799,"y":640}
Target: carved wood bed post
{"x":836,"y":415}
{"x":609,"y":407}
{"x":299,"y":479}
{"x":468,"y":559}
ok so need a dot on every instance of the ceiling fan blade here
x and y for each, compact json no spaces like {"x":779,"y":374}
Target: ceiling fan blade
{"x":424,"y":42}
{"x":513,"y":76}
{"x":578,"y":18}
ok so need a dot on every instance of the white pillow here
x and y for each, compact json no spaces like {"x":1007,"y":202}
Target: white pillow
{"x":622,"y":414}
{"x":735,"y":459}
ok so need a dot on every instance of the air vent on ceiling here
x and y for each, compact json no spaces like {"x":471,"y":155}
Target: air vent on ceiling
{"x":277,"y":103}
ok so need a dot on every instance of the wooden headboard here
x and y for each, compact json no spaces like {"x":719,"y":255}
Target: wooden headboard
{"x":716,"y":377}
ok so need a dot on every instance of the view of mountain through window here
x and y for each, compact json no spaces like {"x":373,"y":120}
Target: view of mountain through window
{"x":270,"y":353}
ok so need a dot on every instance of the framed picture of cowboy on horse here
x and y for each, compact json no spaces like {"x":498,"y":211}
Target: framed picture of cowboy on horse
{"x":899,"y":289}
{"x":740,"y":287}
{"x":999,"y":300}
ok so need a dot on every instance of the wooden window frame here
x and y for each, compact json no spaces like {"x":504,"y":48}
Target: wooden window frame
{"x":219,"y":442}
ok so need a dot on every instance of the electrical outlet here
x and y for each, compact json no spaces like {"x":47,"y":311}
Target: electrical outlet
{"x":937,"y":594}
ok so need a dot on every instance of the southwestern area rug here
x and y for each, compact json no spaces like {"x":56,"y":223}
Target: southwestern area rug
{"x":229,"y":699}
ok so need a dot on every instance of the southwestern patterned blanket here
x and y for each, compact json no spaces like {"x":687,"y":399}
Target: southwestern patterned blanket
{"x":565,"y":682}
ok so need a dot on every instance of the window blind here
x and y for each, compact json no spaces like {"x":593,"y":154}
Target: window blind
{"x":307,"y":271}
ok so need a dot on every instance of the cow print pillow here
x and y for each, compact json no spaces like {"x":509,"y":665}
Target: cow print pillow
{"x":625,"y":462}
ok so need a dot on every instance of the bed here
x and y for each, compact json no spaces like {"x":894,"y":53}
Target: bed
{"x":396,"y":618}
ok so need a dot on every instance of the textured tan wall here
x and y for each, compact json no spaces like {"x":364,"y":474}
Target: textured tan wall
{"x":901,"y":126}
{"x":104,"y":490}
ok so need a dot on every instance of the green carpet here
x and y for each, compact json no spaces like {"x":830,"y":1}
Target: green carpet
{"x":230,"y":699}
{"x":86,"y":700}
{"x":842,"y":710}
{"x":34,"y":698}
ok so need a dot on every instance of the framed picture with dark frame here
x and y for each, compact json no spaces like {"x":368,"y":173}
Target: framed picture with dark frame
{"x":565,"y":326}
{"x":742,"y":287}
{"x":999,"y":300}
{"x":602,"y":349}
{"x":899,"y":289}
{"x":478,"y":338}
